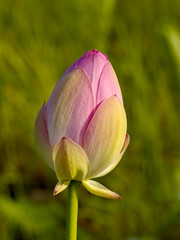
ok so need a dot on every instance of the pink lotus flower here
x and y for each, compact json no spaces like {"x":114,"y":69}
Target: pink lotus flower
{"x":81,"y":132}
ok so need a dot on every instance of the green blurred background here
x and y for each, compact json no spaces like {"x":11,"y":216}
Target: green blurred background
{"x":39,"y":40}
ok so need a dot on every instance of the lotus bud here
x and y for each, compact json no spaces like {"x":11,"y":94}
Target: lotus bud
{"x":82,"y":130}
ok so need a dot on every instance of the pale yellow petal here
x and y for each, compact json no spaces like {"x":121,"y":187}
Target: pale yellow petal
{"x":70,"y":160}
{"x":117,"y":159}
{"x":99,"y":190}
{"x":105,"y":135}
{"x":61,"y":186}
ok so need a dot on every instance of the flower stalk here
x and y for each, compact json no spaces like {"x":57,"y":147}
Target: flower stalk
{"x":72,"y":211}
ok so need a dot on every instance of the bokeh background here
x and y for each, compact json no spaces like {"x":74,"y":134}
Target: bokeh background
{"x":39,"y":40}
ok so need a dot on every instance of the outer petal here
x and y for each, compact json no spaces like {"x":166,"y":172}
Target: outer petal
{"x":105,"y":135}
{"x":99,"y":190}
{"x":117,"y":159}
{"x":108,"y":84}
{"x":61,"y":186}
{"x":70,"y":160}
{"x":41,"y":136}
{"x":69,"y":107}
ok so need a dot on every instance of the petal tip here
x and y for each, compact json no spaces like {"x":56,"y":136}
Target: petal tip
{"x":55,"y":193}
{"x":117,"y":196}
{"x":60,"y":186}
{"x":95,"y":52}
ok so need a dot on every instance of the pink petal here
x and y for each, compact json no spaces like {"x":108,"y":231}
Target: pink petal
{"x":108,"y":84}
{"x":93,"y":62}
{"x":70,"y":106}
{"x":41,"y":136}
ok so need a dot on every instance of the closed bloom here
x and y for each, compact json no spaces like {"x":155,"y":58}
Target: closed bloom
{"x":81,"y":131}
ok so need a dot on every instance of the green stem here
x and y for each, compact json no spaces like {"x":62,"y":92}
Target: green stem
{"x":72,"y":211}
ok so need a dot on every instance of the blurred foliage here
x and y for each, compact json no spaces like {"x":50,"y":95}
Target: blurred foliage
{"x":39,"y":40}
